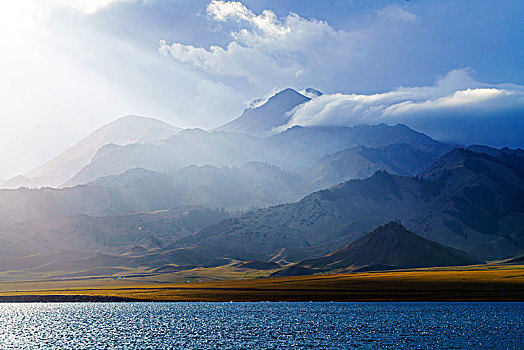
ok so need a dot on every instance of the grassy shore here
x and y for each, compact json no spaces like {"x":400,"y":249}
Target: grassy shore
{"x":504,"y":283}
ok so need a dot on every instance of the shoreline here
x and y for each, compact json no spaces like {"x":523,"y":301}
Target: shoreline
{"x":79,"y":298}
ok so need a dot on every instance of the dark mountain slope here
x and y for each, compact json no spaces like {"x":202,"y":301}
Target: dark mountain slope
{"x":391,"y":246}
{"x":112,"y":234}
{"x":511,"y":157}
{"x":466,"y":200}
{"x":314,"y":226}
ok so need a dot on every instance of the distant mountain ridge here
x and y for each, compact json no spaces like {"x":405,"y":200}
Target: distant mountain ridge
{"x":361,"y":162}
{"x":144,"y":175}
{"x":139,"y":190}
{"x":137,"y":142}
{"x":126,"y":130}
{"x":295,"y":149}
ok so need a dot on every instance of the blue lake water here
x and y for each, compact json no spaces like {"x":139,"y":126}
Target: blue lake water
{"x":262,"y":325}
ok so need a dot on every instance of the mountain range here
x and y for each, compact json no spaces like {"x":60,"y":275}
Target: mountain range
{"x":123,"y":131}
{"x":295,"y":149}
{"x":466,"y":200}
{"x":141,"y":195}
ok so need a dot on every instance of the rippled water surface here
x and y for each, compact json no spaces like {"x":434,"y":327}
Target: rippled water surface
{"x":262,"y":325}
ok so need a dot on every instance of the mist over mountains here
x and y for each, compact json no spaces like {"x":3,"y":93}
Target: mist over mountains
{"x":139,"y":193}
{"x":123,"y":131}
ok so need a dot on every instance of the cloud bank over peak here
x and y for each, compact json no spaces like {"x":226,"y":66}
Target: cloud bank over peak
{"x":456,"y":109}
{"x":358,"y":65}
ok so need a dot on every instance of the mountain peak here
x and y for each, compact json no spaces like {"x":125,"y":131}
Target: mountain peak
{"x":287,"y":91}
{"x":125,"y":130}
{"x":135,"y":121}
{"x":261,"y":120}
{"x":391,"y":234}
{"x":312,"y":93}
{"x":392,"y":246}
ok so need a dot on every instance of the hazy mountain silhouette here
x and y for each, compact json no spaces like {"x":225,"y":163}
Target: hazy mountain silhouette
{"x":138,"y":190}
{"x":296,"y":149}
{"x":361,"y":162}
{"x":126,"y":130}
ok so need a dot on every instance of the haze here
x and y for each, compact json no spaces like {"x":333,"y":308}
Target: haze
{"x":69,"y":67}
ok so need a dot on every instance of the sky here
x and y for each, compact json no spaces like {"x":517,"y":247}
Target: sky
{"x":453,"y":70}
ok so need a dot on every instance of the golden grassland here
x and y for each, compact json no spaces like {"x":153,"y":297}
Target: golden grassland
{"x":475,"y":283}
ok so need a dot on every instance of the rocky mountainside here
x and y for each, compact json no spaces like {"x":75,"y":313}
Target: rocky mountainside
{"x":76,"y":243}
{"x":252,"y":185}
{"x":109,"y":233}
{"x":466,"y":200}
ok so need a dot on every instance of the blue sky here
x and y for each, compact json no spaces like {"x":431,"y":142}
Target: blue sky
{"x":452,"y":69}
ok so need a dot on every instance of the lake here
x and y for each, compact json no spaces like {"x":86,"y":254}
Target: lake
{"x":262,"y":325}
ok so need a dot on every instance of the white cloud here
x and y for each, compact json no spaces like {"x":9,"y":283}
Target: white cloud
{"x":453,"y":100}
{"x":234,"y":61}
{"x":272,"y":52}
{"x":395,"y":13}
{"x":470,"y":98}
{"x":85,"y":6}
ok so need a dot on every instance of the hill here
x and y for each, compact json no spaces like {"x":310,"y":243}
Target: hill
{"x":140,"y":232}
{"x":391,"y":247}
